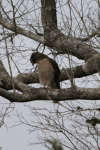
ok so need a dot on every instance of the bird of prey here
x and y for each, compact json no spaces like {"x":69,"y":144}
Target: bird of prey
{"x":48,"y":70}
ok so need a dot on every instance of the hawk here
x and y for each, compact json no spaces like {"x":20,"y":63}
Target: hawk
{"x":48,"y":70}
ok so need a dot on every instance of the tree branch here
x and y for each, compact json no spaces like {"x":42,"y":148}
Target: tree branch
{"x":90,"y":67}
{"x":62,"y":43}
{"x":31,"y":93}
{"x":56,"y":95}
{"x":49,"y":17}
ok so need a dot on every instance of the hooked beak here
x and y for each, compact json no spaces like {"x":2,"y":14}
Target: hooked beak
{"x":32,"y":63}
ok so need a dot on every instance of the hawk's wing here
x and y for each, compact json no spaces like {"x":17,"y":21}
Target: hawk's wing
{"x":57,"y":71}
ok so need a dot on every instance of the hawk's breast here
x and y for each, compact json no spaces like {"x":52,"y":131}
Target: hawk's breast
{"x":46,"y":71}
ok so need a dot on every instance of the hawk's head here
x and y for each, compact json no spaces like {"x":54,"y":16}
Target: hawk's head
{"x":35,"y":57}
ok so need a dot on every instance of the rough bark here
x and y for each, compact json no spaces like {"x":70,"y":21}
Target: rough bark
{"x":55,"y":95}
{"x":48,"y":16}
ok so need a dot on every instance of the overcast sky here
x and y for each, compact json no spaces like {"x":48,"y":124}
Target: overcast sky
{"x":18,"y":137}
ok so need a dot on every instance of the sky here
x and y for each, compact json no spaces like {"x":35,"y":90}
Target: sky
{"x":12,"y":136}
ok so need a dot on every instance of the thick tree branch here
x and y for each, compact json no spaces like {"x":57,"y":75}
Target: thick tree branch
{"x":62,"y":43}
{"x":22,"y":31}
{"x":30,"y":93}
{"x":48,"y":15}
{"x":3,"y":74}
{"x":90,"y":67}
{"x":29,"y":78}
{"x":56,"y":95}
